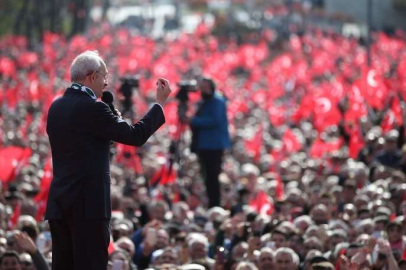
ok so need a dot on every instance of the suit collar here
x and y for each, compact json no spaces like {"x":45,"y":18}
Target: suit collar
{"x":77,"y":88}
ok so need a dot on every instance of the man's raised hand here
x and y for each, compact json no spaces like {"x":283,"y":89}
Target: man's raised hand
{"x":163,"y":91}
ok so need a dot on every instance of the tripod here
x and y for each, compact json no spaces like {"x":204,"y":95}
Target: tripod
{"x":175,"y":155}
{"x":167,"y":172}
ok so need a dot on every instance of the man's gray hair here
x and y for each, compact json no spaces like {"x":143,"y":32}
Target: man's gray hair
{"x":84,"y":64}
{"x":295,"y":257}
{"x":246,"y":265}
{"x":198,"y":238}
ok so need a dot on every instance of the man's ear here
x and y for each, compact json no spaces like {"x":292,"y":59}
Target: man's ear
{"x":94,"y":76}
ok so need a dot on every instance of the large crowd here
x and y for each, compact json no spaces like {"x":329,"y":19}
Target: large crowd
{"x":315,"y":178}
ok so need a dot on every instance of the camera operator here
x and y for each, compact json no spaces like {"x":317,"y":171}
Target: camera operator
{"x":210,"y":137}
{"x":126,"y":89}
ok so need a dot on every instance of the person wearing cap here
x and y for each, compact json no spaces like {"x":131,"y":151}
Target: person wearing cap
{"x":323,"y":266}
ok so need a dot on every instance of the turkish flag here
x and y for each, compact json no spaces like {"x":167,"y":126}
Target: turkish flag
{"x":290,"y":142}
{"x":393,"y":116}
{"x":254,"y":145}
{"x":111,"y":247}
{"x":326,"y":113}
{"x":320,"y":148}
{"x":42,"y":197}
{"x":277,"y":114}
{"x":356,"y":142}
{"x":374,"y":88}
{"x":10,"y":159}
{"x":357,"y":107}
{"x":279,"y":188}
{"x":27,"y":59}
{"x":304,"y":110}
{"x":126,"y":155}
{"x":16,"y":214}
{"x":396,"y":108}
{"x":262,"y":203}
{"x":165,"y":175}
{"x":7,"y":67}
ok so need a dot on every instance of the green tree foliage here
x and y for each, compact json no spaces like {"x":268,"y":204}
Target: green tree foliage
{"x":32,"y":17}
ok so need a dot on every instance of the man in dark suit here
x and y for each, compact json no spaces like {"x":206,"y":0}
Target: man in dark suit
{"x":80,"y":130}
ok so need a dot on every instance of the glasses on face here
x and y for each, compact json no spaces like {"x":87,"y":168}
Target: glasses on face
{"x":105,"y":75}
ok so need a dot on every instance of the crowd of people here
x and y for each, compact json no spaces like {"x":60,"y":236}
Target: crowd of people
{"x":315,"y":177}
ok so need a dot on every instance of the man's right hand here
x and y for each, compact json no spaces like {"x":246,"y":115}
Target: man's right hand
{"x":163,"y":91}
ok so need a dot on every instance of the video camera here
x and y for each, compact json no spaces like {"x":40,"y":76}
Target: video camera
{"x":184,"y":88}
{"x":131,"y":81}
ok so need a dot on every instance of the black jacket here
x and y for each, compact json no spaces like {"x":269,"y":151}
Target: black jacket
{"x":80,"y":130}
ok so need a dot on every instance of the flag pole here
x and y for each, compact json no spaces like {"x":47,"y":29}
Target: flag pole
{"x":369,"y":26}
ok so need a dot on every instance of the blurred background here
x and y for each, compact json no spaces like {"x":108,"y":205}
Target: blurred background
{"x":34,"y":17}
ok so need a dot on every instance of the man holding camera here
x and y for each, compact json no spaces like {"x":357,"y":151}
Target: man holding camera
{"x":211,"y":137}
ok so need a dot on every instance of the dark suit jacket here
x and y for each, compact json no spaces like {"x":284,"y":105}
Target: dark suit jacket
{"x":80,"y":130}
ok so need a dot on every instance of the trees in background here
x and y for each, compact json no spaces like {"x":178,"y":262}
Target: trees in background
{"x":32,"y":17}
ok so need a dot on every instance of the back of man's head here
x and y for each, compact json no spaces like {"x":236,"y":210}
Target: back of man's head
{"x":84,"y":64}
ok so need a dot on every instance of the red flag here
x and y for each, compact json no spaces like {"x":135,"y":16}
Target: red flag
{"x":42,"y":197}
{"x":10,"y":159}
{"x":357,"y":107}
{"x":305,"y":109}
{"x":396,"y":108}
{"x":165,"y":175}
{"x":404,"y":255}
{"x":388,"y":122}
{"x":126,"y":155}
{"x":254,"y":145}
{"x":16,"y":215}
{"x":393,"y":116}
{"x":320,"y":148}
{"x":326,"y":113}
{"x":356,"y":142}
{"x":373,"y":88}
{"x":7,"y":67}
{"x":277,"y":114}
{"x":27,"y":59}
{"x":279,"y":188}
{"x":111,"y":247}
{"x":290,"y":142}
{"x":262,"y":203}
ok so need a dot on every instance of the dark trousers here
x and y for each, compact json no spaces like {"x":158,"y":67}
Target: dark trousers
{"x":78,"y":243}
{"x":210,"y":166}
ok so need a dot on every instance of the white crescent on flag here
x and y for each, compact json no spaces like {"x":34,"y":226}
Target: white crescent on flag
{"x":371,"y":78}
{"x":324,"y":104}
